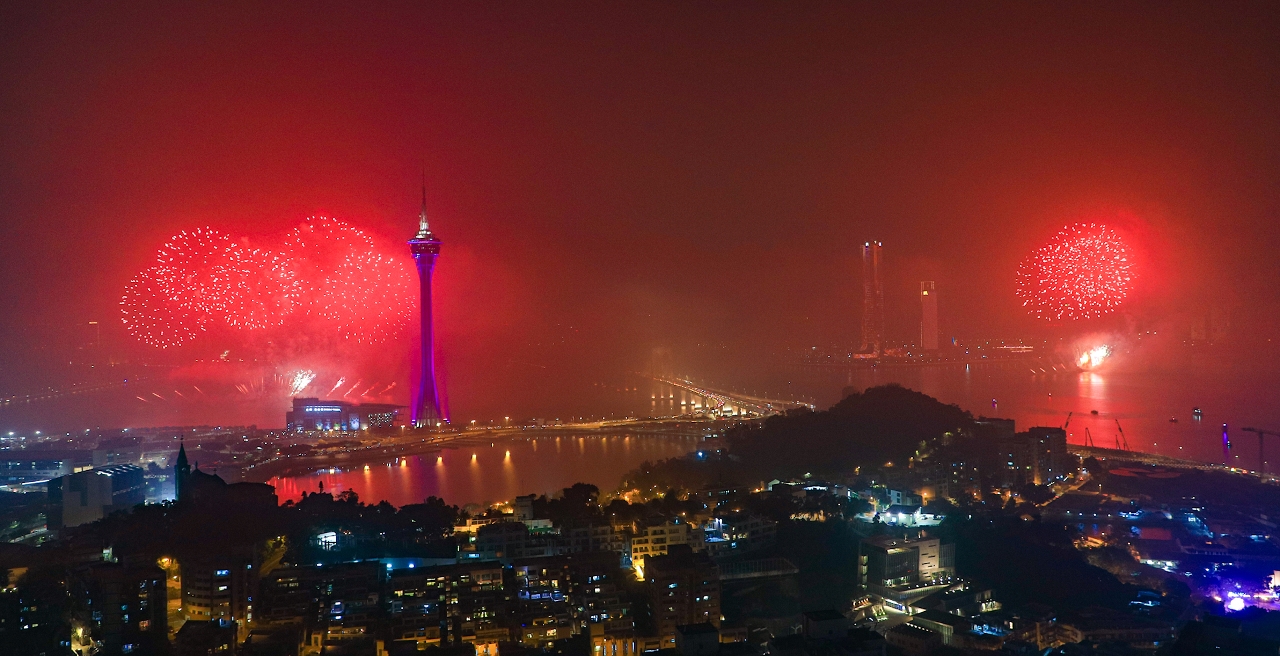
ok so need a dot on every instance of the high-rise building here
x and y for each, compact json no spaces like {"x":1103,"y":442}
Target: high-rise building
{"x":872,"y":299}
{"x":425,"y":248}
{"x":928,"y":316}
{"x":1047,"y":454}
{"x":219,"y":589}
{"x":128,"y":607}
{"x":684,"y":588}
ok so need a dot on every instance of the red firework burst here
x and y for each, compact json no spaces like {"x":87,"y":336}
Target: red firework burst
{"x":328,"y":269}
{"x":264,"y":289}
{"x":152,"y":313}
{"x":203,"y":262}
{"x":367,"y":296}
{"x":1085,"y":271}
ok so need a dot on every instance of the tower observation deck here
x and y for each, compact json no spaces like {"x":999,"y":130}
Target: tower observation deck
{"x":425,"y":248}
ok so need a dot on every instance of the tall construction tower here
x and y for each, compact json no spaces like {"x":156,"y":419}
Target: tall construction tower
{"x":872,"y":299}
{"x":928,"y":316}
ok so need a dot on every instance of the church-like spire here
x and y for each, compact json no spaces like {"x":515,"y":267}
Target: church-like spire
{"x":182,"y":473}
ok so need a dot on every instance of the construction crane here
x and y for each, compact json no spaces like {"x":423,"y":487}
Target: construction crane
{"x":1122,"y":437}
{"x":1068,"y":422}
{"x":1088,"y":438}
{"x":1262,"y":454}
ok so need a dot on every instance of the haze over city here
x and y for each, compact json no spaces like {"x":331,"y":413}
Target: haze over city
{"x":609,"y":329}
{"x":611,"y":181}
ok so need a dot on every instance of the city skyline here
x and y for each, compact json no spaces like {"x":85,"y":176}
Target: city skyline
{"x":763,"y":329}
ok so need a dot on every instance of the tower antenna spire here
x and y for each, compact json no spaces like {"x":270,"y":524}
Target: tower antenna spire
{"x":423,"y":228}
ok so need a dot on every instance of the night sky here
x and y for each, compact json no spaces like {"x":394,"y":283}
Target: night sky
{"x":611,"y":178}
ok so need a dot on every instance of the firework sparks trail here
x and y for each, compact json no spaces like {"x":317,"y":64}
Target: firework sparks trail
{"x":1094,"y":357}
{"x":366,"y":392}
{"x":386,"y":389}
{"x":338,"y":384}
{"x":301,"y":380}
{"x":353,"y":388}
{"x":1084,"y":272}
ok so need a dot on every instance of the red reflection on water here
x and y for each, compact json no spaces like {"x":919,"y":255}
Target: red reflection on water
{"x":495,"y":473}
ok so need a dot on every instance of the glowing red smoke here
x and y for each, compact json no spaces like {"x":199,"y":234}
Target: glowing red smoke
{"x":1085,"y":271}
{"x":326,"y":269}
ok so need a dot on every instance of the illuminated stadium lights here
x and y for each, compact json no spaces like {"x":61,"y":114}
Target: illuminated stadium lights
{"x":1084,"y":272}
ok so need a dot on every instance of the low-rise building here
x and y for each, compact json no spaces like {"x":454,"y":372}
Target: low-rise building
{"x":90,"y":495}
{"x":655,"y":538}
{"x":738,"y":532}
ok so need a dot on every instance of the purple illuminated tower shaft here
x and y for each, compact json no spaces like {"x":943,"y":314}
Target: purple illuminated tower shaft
{"x":425,"y":248}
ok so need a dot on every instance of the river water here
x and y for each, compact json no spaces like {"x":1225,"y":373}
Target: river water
{"x":1134,"y":406}
{"x":486,"y":474}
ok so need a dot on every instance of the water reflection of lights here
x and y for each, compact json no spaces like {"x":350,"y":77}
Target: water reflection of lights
{"x":1092,"y":386}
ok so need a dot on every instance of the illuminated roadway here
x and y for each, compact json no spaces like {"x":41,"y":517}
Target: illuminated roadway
{"x":719,"y":402}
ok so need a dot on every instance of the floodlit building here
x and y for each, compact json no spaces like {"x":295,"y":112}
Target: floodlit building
{"x":656,"y":539}
{"x":35,"y":466}
{"x":311,"y":413}
{"x":902,"y":568}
